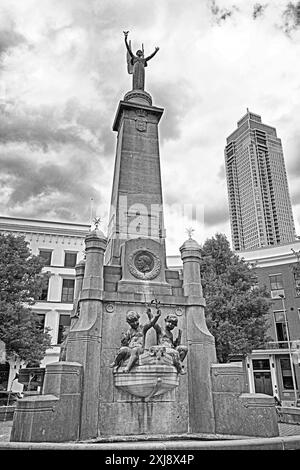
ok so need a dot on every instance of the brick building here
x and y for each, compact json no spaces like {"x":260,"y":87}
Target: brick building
{"x":275,"y":369}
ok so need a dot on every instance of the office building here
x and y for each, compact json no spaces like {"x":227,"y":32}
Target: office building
{"x":259,"y":201}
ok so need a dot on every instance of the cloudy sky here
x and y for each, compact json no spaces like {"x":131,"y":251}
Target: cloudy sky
{"x":63,"y":72}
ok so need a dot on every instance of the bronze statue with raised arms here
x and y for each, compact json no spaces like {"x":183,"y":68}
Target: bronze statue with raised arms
{"x":136,"y":64}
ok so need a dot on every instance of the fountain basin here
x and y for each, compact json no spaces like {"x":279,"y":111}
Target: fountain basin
{"x":147,"y":381}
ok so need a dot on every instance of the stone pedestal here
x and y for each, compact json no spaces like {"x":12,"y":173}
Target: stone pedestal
{"x":55,"y":415}
{"x":238,"y":412}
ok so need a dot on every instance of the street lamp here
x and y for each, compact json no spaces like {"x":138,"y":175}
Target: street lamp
{"x":289,"y":347}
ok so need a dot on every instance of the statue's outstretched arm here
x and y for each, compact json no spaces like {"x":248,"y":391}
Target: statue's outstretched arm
{"x":127,"y":45}
{"x":152,"y":55}
{"x":152,"y":321}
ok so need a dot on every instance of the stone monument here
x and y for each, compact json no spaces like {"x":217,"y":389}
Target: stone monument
{"x":155,"y":382}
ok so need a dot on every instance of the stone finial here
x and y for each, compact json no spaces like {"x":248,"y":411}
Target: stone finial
{"x":190,"y":244}
{"x":94,"y":234}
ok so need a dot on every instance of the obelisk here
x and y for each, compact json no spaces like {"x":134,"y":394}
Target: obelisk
{"x":136,"y":201}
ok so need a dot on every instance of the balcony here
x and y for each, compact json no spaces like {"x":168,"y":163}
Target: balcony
{"x":280,"y":347}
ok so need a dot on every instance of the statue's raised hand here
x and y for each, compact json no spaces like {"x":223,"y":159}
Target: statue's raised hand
{"x":125,"y":33}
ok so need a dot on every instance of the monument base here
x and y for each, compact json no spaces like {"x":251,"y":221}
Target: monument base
{"x":238,"y":412}
{"x":55,"y":415}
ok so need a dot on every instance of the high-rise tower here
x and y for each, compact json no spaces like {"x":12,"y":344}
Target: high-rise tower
{"x":259,"y":200}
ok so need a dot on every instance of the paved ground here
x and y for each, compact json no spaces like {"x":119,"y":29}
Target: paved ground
{"x":284,"y":430}
{"x":289,"y":429}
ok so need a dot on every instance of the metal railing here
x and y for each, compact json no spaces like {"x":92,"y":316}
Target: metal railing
{"x":279,"y":345}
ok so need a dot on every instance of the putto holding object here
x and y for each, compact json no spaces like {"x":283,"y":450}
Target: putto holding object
{"x":133,"y":341}
{"x":165,"y":338}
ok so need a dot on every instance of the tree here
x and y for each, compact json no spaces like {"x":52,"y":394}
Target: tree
{"x":237,"y":309}
{"x":21,"y":282}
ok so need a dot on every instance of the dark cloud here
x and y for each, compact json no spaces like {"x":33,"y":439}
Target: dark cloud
{"x":216,"y":215}
{"x":289,"y":22}
{"x":48,"y":127}
{"x":258,"y":10}
{"x":63,"y":189}
{"x":176,"y":98}
{"x":10,"y":39}
{"x":221,"y":14}
{"x":291,"y":18}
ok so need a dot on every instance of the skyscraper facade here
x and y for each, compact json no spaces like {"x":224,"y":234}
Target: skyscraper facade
{"x":259,"y":201}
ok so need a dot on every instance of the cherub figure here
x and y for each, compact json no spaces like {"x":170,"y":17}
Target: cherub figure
{"x":133,"y":341}
{"x":136,"y":64}
{"x":165,"y":338}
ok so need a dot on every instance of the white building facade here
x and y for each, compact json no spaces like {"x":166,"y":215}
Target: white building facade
{"x":62,"y":246}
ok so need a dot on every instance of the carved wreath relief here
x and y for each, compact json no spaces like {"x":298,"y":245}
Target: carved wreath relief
{"x":144,"y":265}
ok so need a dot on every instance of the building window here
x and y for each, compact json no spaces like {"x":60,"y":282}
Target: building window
{"x":70,"y":259}
{"x":46,"y":255}
{"x":67,"y":290}
{"x":44,"y":293}
{"x":262,"y":376}
{"x":276,"y":285}
{"x":261,"y":364}
{"x":281,"y":329}
{"x":40,"y":317}
{"x":63,"y":327}
{"x":286,"y":373}
{"x":297,"y":281}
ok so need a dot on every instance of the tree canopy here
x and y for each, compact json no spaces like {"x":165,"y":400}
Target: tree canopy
{"x":237,"y":308}
{"x":21,"y":282}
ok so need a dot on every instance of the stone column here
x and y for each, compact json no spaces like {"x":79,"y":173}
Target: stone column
{"x":136,"y":201}
{"x":79,"y":270}
{"x":84,"y":341}
{"x":95,"y":244}
{"x":201,"y":345}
